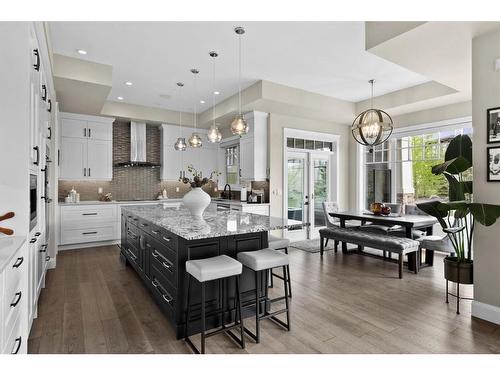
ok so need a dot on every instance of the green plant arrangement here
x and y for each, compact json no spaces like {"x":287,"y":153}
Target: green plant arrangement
{"x":459,"y":215}
{"x":197,"y":180}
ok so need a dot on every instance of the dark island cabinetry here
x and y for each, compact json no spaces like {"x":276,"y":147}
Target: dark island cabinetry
{"x":159,"y":257}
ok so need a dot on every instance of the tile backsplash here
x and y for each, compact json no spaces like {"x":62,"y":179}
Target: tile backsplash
{"x":131,"y":183}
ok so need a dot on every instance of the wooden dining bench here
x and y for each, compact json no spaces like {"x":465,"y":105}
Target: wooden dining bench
{"x":399,"y":245}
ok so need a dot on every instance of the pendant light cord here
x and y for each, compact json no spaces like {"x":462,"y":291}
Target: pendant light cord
{"x":213,"y":92}
{"x":239,"y":73}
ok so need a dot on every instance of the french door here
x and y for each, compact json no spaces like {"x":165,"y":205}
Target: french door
{"x":308,"y":185}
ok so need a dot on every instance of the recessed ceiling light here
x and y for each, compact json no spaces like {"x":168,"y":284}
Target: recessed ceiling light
{"x":128,"y":83}
{"x":202,"y":102}
{"x":216,"y":92}
{"x":81,"y":51}
{"x":119,"y":97}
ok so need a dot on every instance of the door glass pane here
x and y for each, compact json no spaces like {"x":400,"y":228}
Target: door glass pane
{"x":296,"y":189}
{"x":320,"y":183}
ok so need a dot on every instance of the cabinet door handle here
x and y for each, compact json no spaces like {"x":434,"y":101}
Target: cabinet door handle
{"x":50,"y":131}
{"x":37,"y":234}
{"x":155,"y":232}
{"x":18,"y":263}
{"x":47,"y":258}
{"x":50,"y":106}
{"x":155,"y":284}
{"x":89,"y":213}
{"x":33,"y":240}
{"x":89,"y":232}
{"x":17,"y":298}
{"x":167,"y":298}
{"x":44,"y":93}
{"x":166,"y":238}
{"x":167,"y":265}
{"x":84,"y":172}
{"x":18,"y":342}
{"x":143,"y":225}
{"x":84,"y":132}
{"x":155,"y":254}
{"x":37,"y":149}
{"x":90,"y":132}
{"x":36,"y":65}
{"x":89,"y":172}
{"x":43,"y":248}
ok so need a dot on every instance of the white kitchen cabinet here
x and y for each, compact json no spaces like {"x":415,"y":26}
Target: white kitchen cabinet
{"x":99,"y":159}
{"x":73,"y":161}
{"x":253,"y":148}
{"x":86,"y":147}
{"x":14,"y":297}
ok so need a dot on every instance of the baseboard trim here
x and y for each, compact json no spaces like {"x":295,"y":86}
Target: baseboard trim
{"x":52,"y":263}
{"x":486,"y":312}
{"x":89,"y":244}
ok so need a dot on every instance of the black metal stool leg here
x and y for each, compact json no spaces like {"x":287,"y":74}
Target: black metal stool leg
{"x":257,"y":307}
{"x":287,"y":276}
{"x":288,"y":280}
{"x":239,"y":313}
{"x":447,"y":291}
{"x":203,"y":327}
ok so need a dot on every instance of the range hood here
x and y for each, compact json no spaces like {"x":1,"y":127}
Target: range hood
{"x":137,"y":147}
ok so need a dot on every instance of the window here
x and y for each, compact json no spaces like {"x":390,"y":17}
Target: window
{"x":308,"y":144}
{"x":400,"y":169}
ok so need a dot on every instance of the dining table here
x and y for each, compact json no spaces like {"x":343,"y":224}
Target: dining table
{"x":407,"y":222}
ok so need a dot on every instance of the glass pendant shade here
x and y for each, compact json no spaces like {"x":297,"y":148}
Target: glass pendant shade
{"x":214,"y":135}
{"x":180,"y":144}
{"x":239,"y":126}
{"x":373,"y":126}
{"x":195,"y":141}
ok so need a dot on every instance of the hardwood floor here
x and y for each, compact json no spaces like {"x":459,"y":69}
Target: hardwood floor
{"x":341,"y":304}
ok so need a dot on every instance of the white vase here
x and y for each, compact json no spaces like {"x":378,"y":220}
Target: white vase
{"x":196,"y":201}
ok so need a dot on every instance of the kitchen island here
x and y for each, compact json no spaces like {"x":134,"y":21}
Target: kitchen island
{"x":157,"y":241}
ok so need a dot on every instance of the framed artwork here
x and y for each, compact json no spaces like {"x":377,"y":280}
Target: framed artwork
{"x":493,"y":157}
{"x":493,"y":125}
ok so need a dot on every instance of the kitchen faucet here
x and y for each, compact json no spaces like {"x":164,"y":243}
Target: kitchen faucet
{"x":223,"y":195}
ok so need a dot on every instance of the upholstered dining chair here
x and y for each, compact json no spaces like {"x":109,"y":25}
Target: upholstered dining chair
{"x":329,"y":207}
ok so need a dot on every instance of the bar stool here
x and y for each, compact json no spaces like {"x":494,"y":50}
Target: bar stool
{"x":277,"y":243}
{"x":211,"y":269}
{"x":261,"y":262}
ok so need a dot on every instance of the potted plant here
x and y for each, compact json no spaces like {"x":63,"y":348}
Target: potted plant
{"x":196,"y":200}
{"x":459,"y":215}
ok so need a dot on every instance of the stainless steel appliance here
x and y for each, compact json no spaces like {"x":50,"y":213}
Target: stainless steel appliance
{"x":33,"y":200}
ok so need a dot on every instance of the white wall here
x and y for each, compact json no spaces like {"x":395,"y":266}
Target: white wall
{"x":485,"y":94}
{"x":14,"y":133}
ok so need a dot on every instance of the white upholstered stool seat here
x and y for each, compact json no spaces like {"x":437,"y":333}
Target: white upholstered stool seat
{"x":263,"y":259}
{"x":277,"y":243}
{"x":213,"y":268}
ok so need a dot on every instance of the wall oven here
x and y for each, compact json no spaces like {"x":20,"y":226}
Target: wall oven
{"x":33,"y":201}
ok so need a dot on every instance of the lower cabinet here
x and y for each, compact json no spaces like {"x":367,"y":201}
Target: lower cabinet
{"x":14,"y":304}
{"x":159,"y":257}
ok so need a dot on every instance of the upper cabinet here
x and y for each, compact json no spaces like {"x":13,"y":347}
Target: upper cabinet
{"x":86,"y":147}
{"x":253,"y":148}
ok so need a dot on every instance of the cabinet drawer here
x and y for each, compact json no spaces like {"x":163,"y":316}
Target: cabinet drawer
{"x":14,"y":344}
{"x":163,"y":292}
{"x":13,"y":275}
{"x":13,"y":304}
{"x":86,"y":216}
{"x":163,"y":260}
{"x":132,"y":254}
{"x":90,"y":234}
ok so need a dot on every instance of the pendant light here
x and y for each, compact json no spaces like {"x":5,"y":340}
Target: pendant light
{"x":373,"y":126}
{"x":180,"y":144}
{"x":195,"y":139}
{"x":214,"y":135}
{"x":239,"y":126}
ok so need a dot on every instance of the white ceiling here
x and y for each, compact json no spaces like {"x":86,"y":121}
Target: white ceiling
{"x":323,"y":57}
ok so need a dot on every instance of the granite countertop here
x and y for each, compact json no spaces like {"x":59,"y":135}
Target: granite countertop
{"x":179,"y":221}
{"x":8,"y":247}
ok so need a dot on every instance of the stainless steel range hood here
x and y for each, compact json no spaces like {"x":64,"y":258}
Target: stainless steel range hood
{"x":137,"y":147}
